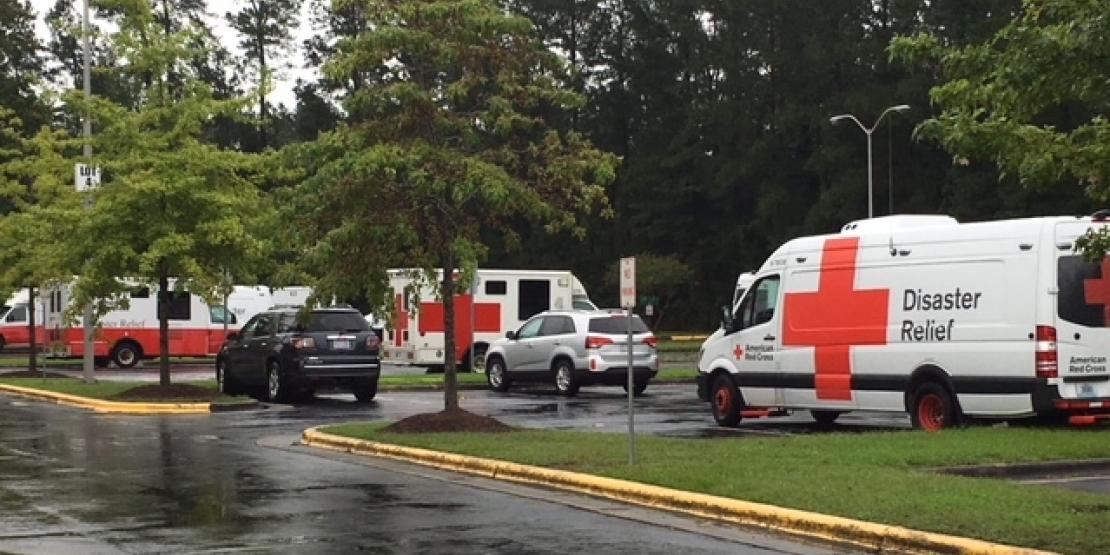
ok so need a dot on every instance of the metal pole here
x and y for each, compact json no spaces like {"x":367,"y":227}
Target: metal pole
{"x":86,"y":54}
{"x":870,"y":179}
{"x":631,"y":387}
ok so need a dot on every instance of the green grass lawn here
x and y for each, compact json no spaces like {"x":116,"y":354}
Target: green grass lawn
{"x":103,"y":389}
{"x":881,"y":476}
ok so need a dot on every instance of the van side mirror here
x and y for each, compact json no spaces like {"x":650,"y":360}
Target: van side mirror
{"x":510,"y":335}
{"x":726,"y":317}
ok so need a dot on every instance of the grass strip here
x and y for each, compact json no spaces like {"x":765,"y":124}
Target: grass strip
{"x":105,"y":390}
{"x":23,"y":361}
{"x":881,"y":477}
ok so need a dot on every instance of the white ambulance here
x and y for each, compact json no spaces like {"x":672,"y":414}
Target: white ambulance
{"x":499,"y":301}
{"x":15,"y":318}
{"x":127,"y":335}
{"x":920,"y":314}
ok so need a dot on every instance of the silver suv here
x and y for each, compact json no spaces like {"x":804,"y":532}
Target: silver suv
{"x":572,"y":349}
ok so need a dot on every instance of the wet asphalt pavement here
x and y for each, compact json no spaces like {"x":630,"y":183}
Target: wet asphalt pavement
{"x":75,"y":482}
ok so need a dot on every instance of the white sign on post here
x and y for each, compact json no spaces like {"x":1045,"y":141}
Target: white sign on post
{"x":86,"y":177}
{"x":628,"y":282}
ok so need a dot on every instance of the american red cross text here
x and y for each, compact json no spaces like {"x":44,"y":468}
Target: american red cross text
{"x":836,"y":318}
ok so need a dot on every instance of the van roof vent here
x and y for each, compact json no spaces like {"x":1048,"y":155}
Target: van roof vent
{"x":900,"y":222}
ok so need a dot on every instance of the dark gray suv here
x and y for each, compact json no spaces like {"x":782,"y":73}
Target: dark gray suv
{"x":279,"y":354}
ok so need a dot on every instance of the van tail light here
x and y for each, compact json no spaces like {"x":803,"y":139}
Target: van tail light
{"x":302,"y":343}
{"x":652,"y":342}
{"x":593,"y":342}
{"x":373,"y":342}
{"x":1046,"y":355}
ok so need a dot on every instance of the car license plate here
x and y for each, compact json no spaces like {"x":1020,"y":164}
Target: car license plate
{"x":341,"y":344}
{"x":1087,"y":390}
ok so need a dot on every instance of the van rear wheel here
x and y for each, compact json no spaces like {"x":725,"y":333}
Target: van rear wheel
{"x":127,"y":354}
{"x":933,"y":408}
{"x":725,"y":401}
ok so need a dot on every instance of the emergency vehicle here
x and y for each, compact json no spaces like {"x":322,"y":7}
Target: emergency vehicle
{"x":499,"y":301}
{"x":15,"y":319}
{"x":922,"y":314}
{"x":126,"y":335}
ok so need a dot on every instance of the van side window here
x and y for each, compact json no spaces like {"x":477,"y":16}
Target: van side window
{"x":1080,"y":284}
{"x":759,"y":304}
{"x":534,"y":297}
{"x":18,"y":314}
{"x":496,"y":287}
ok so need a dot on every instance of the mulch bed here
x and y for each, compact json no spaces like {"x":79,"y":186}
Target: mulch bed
{"x":30,"y":374}
{"x":173,"y":392}
{"x":447,"y":421}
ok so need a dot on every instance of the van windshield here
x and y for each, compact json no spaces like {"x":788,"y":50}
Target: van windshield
{"x":1084,"y":296}
{"x":617,"y":324}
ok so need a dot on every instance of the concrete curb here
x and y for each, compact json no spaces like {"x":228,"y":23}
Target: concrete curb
{"x":108,"y":407}
{"x":826,"y":528}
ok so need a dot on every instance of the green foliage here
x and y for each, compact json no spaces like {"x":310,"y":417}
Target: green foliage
{"x":663,"y":278}
{"x":20,"y":62}
{"x":451,"y":144}
{"x":1032,"y":98}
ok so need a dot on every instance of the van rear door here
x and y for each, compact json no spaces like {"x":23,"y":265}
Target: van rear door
{"x":1082,"y":318}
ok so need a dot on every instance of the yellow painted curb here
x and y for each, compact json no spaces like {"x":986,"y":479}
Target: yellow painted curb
{"x":108,"y":407}
{"x":858,"y":533}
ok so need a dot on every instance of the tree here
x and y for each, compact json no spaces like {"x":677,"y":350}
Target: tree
{"x":265,"y":27}
{"x":171,"y":205}
{"x":1032,"y":99}
{"x":452,"y":147}
{"x":21,"y":63}
{"x":37,"y":206}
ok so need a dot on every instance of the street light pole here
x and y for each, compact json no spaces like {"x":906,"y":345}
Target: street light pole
{"x":870,"y":166}
{"x":86,"y":75}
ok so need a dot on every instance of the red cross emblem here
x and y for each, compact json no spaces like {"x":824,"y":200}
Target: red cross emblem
{"x":1097,"y":291}
{"x":738,"y":352}
{"x":836,"y":318}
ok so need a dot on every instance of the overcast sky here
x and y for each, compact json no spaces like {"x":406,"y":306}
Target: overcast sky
{"x":283,"y":93}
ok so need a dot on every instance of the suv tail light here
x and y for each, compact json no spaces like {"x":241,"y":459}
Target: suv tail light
{"x":1046,"y":357}
{"x":594,"y":342}
{"x":652,"y":342}
{"x":302,"y":343}
{"x":373,"y":342}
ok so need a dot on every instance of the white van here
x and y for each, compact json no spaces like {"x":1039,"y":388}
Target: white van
{"x":920,"y":314}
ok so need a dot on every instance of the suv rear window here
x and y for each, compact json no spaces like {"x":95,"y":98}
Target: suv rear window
{"x":617,"y":324}
{"x":336,"y":321}
{"x":1081,"y":299}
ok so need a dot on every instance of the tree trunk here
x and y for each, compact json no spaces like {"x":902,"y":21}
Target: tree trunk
{"x":164,"y":300}
{"x":447,"y":289}
{"x":31,"y":328}
{"x":262,"y":113}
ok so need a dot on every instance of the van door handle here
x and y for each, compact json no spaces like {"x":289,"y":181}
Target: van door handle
{"x":768,"y":338}
{"x":557,"y":343}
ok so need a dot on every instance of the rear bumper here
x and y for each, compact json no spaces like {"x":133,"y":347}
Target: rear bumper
{"x":314,"y":372}
{"x":614,"y":375}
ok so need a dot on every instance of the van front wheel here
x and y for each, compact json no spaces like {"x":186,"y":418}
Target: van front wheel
{"x":725,"y":401}
{"x":933,"y":409}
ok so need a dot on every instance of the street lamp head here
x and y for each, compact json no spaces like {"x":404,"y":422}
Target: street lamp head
{"x":900,"y":108}
{"x":837,"y":119}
